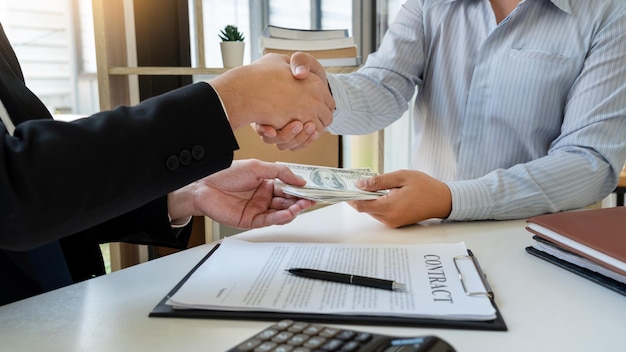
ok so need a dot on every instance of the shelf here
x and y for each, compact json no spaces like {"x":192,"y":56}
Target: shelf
{"x":165,"y":71}
{"x":179,"y":71}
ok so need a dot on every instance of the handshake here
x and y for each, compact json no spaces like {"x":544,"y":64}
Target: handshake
{"x":286,"y":98}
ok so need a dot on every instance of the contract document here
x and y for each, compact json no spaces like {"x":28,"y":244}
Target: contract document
{"x":442,"y":281}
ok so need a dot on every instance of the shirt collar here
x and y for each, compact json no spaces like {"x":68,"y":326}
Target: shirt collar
{"x":563,"y":5}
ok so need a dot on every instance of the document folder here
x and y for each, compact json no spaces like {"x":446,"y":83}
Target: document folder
{"x":163,"y":309}
{"x":584,"y":272}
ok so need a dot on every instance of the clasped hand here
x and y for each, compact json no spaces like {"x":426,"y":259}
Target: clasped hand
{"x":267,"y":93}
{"x":297,"y":135}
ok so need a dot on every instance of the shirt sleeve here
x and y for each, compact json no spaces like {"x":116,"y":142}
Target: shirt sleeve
{"x":379,"y":92}
{"x":583,"y":163}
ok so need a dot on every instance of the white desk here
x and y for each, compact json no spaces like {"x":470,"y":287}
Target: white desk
{"x":546,"y":308}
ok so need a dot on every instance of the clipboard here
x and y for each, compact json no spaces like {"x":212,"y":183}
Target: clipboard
{"x":163,"y":310}
{"x":599,"y":279}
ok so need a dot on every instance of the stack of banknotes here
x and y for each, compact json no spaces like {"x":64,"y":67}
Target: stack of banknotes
{"x":328,"y":184}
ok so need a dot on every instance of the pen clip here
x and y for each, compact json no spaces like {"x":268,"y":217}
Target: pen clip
{"x":483,"y":278}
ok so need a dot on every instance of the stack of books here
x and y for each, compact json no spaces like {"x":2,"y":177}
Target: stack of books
{"x":590,"y":243}
{"x":333,"y":47}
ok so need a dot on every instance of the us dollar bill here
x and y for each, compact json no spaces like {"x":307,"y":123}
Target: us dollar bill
{"x":328,"y":184}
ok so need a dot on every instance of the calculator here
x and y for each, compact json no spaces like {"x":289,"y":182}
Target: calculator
{"x":299,"y":336}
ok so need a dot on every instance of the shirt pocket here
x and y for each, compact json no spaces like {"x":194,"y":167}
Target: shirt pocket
{"x":543,"y":78}
{"x":539,"y":55}
{"x":530,"y":92}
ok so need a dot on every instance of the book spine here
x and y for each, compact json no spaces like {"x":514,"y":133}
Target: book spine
{"x":288,"y":44}
{"x":350,"y":52}
{"x":302,"y":34}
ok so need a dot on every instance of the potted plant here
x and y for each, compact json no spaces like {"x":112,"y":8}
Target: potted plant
{"x":232,"y":46}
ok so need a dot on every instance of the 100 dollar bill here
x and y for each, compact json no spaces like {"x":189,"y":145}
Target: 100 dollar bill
{"x":328,"y":184}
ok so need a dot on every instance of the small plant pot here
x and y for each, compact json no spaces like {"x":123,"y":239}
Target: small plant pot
{"x":232,"y":53}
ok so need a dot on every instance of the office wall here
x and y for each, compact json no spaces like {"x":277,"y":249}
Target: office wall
{"x":40,"y":34}
{"x":44,"y":38}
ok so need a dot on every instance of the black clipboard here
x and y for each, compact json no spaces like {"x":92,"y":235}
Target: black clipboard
{"x":598,"y":278}
{"x":163,"y":310}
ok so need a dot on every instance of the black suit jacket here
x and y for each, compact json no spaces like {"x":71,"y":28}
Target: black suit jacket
{"x":98,"y":179}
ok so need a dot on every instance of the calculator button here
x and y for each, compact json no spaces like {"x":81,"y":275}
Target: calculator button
{"x":301,"y":349}
{"x":266,"y":334}
{"x":345,"y":335}
{"x":298,"y":327}
{"x":283,"y":348}
{"x":363,"y":337}
{"x":249,"y":345}
{"x":266,"y":346}
{"x":283,"y":324}
{"x":329,"y":332}
{"x":332,"y":345}
{"x":313,"y":330}
{"x":351,"y":346}
{"x":314,"y":342}
{"x":298,"y":340}
{"x":282,"y":336}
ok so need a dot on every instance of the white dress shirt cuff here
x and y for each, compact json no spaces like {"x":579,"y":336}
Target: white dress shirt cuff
{"x":222,"y":103}
{"x":179,"y":223}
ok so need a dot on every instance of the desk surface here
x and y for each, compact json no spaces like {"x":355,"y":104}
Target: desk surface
{"x":546,"y":308}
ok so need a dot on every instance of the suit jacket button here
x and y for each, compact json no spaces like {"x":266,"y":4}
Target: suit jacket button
{"x":197,"y":152}
{"x":185,"y":157}
{"x":172,"y":162}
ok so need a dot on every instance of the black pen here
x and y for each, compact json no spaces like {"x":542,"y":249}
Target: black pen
{"x":347,"y":279}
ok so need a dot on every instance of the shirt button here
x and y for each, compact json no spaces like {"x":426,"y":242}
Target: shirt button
{"x":172,"y":162}
{"x":197,"y":152}
{"x":185,"y":157}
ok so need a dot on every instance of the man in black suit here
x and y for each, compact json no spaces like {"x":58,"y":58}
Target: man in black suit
{"x":137,"y":174}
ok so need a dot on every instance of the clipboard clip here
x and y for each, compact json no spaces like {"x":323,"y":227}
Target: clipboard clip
{"x":488,"y":291}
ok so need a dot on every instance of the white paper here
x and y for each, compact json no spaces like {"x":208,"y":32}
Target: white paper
{"x":578,"y":260}
{"x":251,"y":276}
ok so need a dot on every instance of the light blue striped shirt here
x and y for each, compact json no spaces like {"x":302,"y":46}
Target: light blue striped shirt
{"x":518,"y":118}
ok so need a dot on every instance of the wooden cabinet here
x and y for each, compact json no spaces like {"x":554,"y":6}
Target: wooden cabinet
{"x":117,"y":83}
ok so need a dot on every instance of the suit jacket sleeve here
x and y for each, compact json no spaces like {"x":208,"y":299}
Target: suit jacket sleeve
{"x":61,"y":178}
